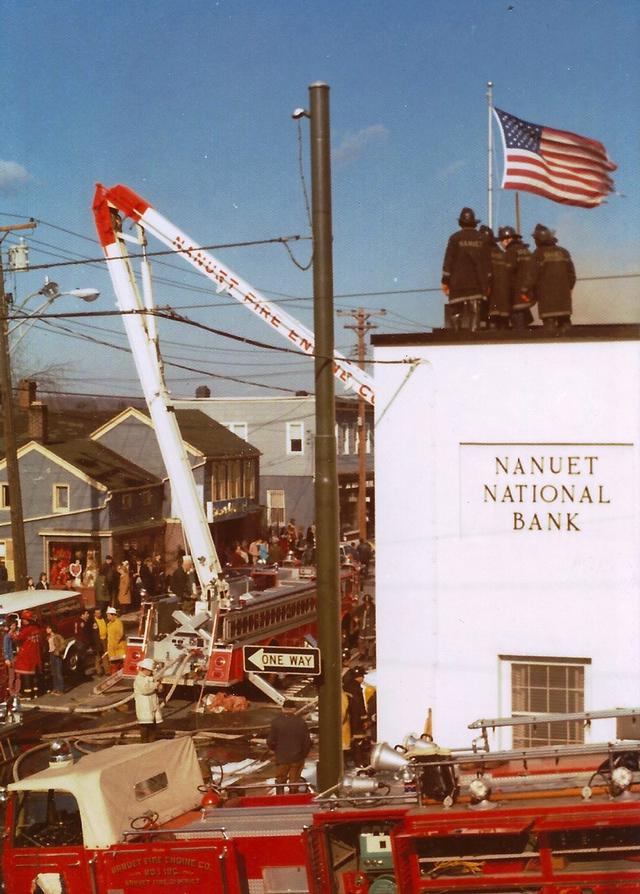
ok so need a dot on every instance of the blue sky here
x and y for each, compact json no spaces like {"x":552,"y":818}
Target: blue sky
{"x":190,"y":105}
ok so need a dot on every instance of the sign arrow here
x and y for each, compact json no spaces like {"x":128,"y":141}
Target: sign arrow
{"x":281,"y":659}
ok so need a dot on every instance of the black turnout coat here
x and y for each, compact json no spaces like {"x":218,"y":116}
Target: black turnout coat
{"x":551,"y":277}
{"x":503,"y":270}
{"x":466,"y":267}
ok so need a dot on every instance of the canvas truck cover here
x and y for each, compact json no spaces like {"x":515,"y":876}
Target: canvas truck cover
{"x":21,"y":600}
{"x":115,"y":785}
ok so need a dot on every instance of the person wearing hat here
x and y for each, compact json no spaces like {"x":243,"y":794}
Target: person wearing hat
{"x":521,"y":303}
{"x":550,"y":279}
{"x":503,"y":269}
{"x":99,"y":633}
{"x":147,"y":701}
{"x":358,"y":718}
{"x":465,"y":274}
{"x":116,"y":643}
{"x":290,"y":741}
{"x":28,"y":661}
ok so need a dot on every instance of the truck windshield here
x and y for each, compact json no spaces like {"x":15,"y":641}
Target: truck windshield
{"x":45,"y":819}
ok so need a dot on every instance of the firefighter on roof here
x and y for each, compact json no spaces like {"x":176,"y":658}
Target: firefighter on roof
{"x":551,"y":279}
{"x":465,"y":273}
{"x":503,"y":269}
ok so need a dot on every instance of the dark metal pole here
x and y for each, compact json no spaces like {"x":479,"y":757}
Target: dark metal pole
{"x":326,"y":484}
{"x":10,"y":446}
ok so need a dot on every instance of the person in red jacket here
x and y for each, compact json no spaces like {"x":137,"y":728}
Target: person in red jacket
{"x":28,"y":661}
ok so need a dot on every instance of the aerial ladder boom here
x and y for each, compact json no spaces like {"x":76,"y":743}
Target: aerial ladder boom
{"x":140,"y":326}
{"x":129,"y":204}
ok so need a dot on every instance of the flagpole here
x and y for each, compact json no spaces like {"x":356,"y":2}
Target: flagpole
{"x":518,"y":230}
{"x":489,"y":155}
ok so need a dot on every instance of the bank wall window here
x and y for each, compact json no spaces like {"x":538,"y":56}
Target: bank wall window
{"x":275,"y":507}
{"x":295,"y":437}
{"x":5,"y":497}
{"x":238,"y":428}
{"x":547,"y":686}
{"x":61,"y":498}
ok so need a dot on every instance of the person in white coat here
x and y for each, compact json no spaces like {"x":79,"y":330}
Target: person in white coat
{"x":146,"y":690}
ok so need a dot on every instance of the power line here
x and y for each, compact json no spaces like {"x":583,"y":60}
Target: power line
{"x":276,"y":240}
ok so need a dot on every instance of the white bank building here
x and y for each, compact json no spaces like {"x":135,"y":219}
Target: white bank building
{"x":507,"y":541}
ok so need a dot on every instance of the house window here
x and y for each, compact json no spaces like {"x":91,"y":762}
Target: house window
{"x":127,"y":501}
{"x":238,"y":428}
{"x":5,"y":496}
{"x":219,"y":482}
{"x":250,"y":479}
{"x":275,"y":508}
{"x":295,"y":437}
{"x":235,"y":479}
{"x":60,"y":497}
{"x":547,"y":685}
{"x":346,"y":439}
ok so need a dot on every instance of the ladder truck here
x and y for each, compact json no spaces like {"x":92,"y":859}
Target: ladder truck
{"x":271,"y":606}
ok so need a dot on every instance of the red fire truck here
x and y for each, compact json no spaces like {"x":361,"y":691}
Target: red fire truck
{"x":131,"y":819}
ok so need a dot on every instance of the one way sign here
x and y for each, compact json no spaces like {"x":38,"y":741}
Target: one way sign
{"x":281,"y":660}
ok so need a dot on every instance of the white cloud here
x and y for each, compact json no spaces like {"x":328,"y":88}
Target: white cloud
{"x":354,"y":145}
{"x":452,"y":169}
{"x":12,"y":176}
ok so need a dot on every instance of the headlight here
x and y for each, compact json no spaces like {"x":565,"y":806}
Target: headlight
{"x":621,"y":777}
{"x":479,"y":789}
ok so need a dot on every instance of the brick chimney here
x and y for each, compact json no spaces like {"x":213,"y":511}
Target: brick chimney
{"x":26,"y":393}
{"x":37,"y":425}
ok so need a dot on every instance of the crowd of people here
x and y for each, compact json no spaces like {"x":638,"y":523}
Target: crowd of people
{"x":33,"y":653}
{"x":286,"y":543}
{"x":494,"y":282}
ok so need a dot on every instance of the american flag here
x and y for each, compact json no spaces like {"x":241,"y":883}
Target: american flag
{"x":556,"y":164}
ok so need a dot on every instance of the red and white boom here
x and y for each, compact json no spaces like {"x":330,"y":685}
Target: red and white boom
{"x":142,"y":334}
{"x":129,"y":204}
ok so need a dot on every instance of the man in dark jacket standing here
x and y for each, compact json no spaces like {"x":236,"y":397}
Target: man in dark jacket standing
{"x":551,"y":279}
{"x":289,"y":739}
{"x":521,"y":303}
{"x":503,"y":268}
{"x":465,"y":273}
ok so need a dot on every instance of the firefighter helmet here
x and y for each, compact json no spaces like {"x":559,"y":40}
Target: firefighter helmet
{"x":488,"y":233}
{"x":468,"y":218}
{"x":543,"y":235}
{"x":146,"y":664}
{"x":507,"y":233}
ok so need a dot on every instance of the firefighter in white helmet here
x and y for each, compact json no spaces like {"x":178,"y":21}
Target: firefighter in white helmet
{"x":146,"y":689}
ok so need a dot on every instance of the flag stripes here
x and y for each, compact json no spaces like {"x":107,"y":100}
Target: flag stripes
{"x":556,"y":164}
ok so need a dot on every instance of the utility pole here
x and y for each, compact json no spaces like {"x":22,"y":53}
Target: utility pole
{"x":326,"y":483}
{"x":361,"y":327}
{"x":10,"y":446}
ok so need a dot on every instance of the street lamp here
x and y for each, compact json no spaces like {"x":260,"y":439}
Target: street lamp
{"x":52,"y":292}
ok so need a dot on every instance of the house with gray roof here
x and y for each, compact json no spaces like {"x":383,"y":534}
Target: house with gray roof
{"x":94,"y":484}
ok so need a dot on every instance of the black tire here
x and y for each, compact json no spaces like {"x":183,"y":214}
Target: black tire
{"x":72,"y":663}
